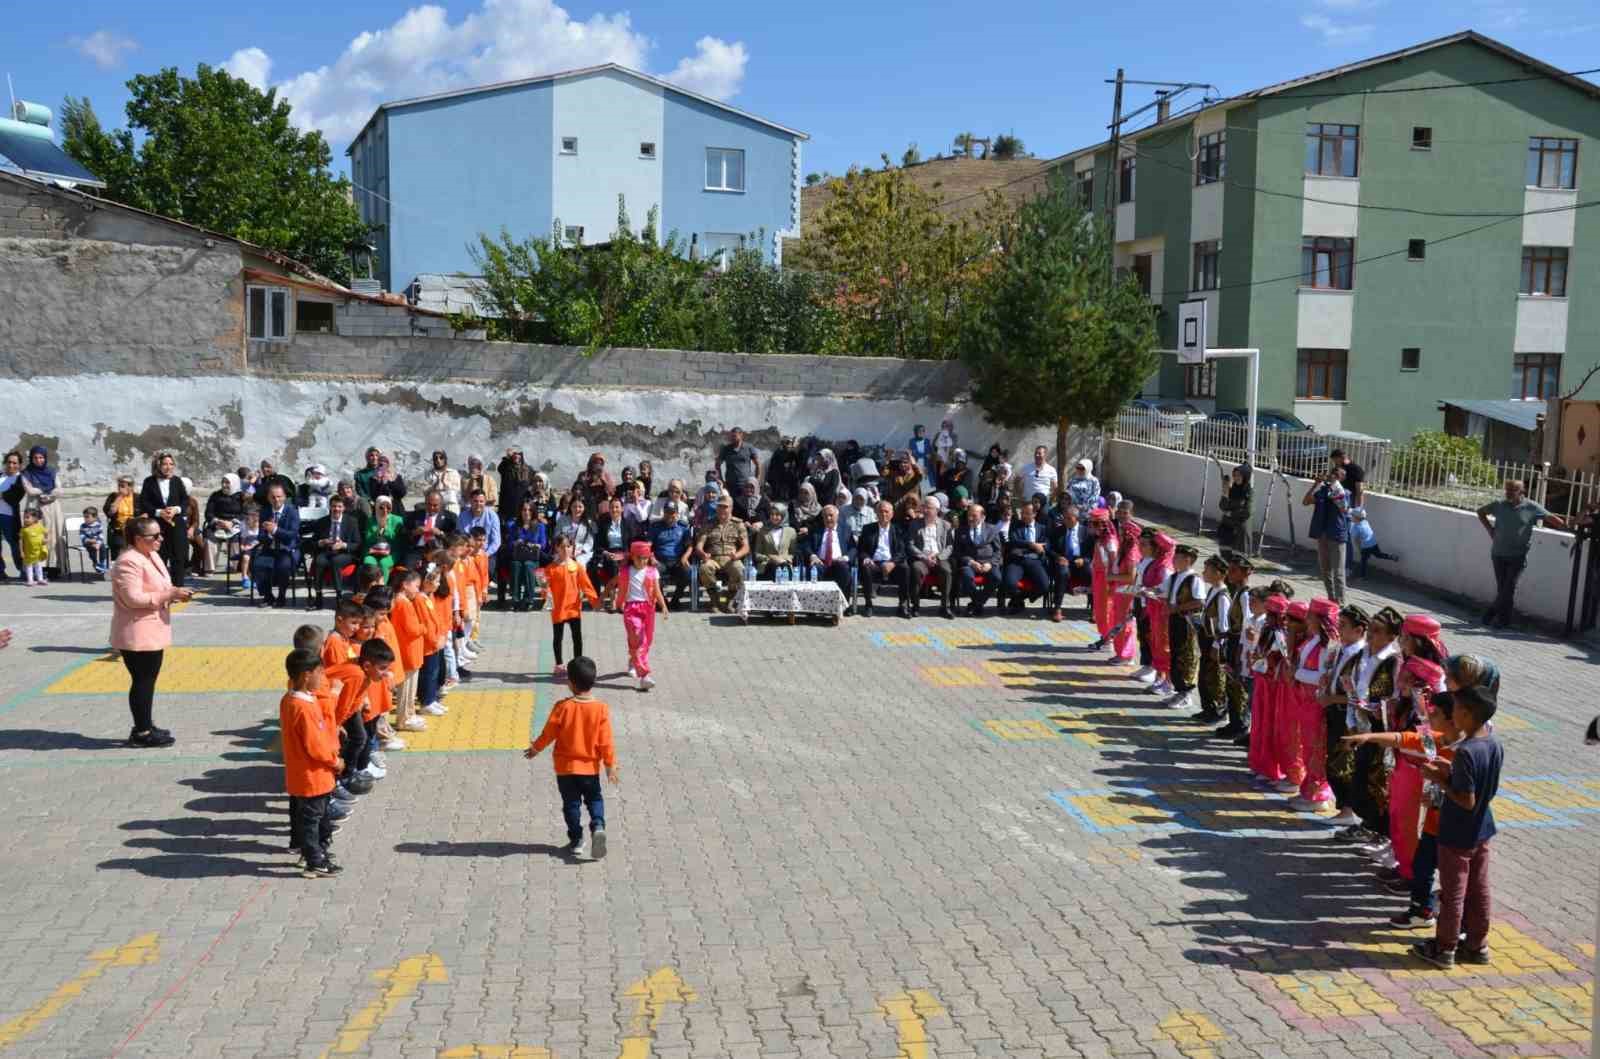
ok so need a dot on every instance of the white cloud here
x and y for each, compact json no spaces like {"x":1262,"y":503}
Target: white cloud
{"x":1334,"y":31}
{"x":104,"y":47}
{"x":424,"y":51}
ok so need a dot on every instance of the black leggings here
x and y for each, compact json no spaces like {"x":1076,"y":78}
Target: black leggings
{"x":143,"y":667}
{"x":576,"y":624}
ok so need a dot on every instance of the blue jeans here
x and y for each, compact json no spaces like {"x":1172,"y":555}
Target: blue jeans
{"x":429,"y":678}
{"x":578,"y":791}
{"x":8,"y":529}
{"x":1424,"y":864}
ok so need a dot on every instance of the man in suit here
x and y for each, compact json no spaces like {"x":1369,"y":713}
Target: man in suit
{"x":336,"y":537}
{"x":428,"y":526}
{"x":1027,"y":557}
{"x":832,"y":554}
{"x":279,"y":551}
{"x":773,"y":546}
{"x":882,"y":551}
{"x":929,"y":548}
{"x":1071,"y":547}
{"x":979,"y":553}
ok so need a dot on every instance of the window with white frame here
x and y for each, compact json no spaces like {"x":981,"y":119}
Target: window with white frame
{"x":268,"y":313}
{"x":1207,"y":264}
{"x":569,"y":145}
{"x":573,"y":234}
{"x":724,"y":169}
{"x":719,"y":248}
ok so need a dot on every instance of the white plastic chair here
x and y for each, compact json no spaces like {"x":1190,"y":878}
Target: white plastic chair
{"x":70,"y":531}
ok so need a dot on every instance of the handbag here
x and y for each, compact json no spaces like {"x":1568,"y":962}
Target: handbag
{"x":524,"y":552}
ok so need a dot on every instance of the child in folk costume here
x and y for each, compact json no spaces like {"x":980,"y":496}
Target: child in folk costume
{"x":1156,"y":611}
{"x":1120,"y":582}
{"x":1185,"y":597}
{"x":1338,"y":673}
{"x":1235,"y":666}
{"x":1375,"y":682}
{"x":1311,"y":725}
{"x":1286,"y":748}
{"x":1215,"y":612}
{"x":1101,"y":567}
{"x":1270,"y":656}
{"x":1419,"y":680}
{"x":642,"y":596}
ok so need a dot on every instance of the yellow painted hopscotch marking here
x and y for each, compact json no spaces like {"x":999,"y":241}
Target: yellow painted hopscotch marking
{"x":404,"y":979}
{"x":497,"y":1051}
{"x":1192,"y":1032}
{"x":1549,"y":794}
{"x":1224,"y":806}
{"x":1078,"y":729}
{"x":496,"y":719}
{"x":1511,"y":952}
{"x":910,"y":1011}
{"x":651,"y":997}
{"x":1020,"y":730}
{"x":1541,"y":1015}
{"x":1326,"y":994}
{"x":1118,"y":810}
{"x":141,"y":950}
{"x":184,"y":669}
{"x":952,"y":676}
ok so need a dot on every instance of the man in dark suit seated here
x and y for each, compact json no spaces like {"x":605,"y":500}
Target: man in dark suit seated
{"x":979,"y":553}
{"x":278,"y":554}
{"x":831,"y":554}
{"x":1071,"y":549}
{"x":881,"y":549}
{"x":336,"y":537}
{"x":929,"y":547}
{"x":1027,"y":557}
{"x":428,"y":526}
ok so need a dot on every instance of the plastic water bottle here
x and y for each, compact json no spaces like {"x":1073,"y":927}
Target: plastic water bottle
{"x":783,"y":574}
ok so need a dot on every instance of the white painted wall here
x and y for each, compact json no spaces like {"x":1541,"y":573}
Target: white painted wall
{"x":1549,"y":229}
{"x":1125,"y":227}
{"x":1324,"y":416}
{"x":611,"y":115}
{"x":1206,"y":212}
{"x":1337,"y":218}
{"x":1541,"y":325}
{"x":1439,"y":547}
{"x":1326,"y":319}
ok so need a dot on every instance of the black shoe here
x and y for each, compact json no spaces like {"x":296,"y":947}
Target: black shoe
{"x":946,"y":612}
{"x":358,"y":784}
{"x":1229,"y":730}
{"x":1473,"y":956}
{"x":1242,"y":740}
{"x":326,"y":870}
{"x":463,"y":673}
{"x":279,"y":603}
{"x":264,"y":602}
{"x":152,"y":739}
{"x":1488,"y":618}
{"x":850,"y":611}
{"x":905,"y":611}
{"x":1413,"y":917}
{"x":1429,"y":950}
{"x":341,"y":793}
{"x":974,"y":610}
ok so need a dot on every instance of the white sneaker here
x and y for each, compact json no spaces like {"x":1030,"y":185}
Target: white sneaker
{"x":581,"y":849}
{"x":1145,"y":674}
{"x":633,"y":674}
{"x":378,"y":759}
{"x":1306,"y":805}
{"x":1348,"y":818}
{"x":393,"y":742}
{"x":1286,"y":787}
{"x":646,"y":683}
{"x":414,"y":724}
{"x":475,"y":647}
{"x":433,"y":709}
{"x":373,"y":772}
{"x":598,"y":839}
{"x":1181,"y":702}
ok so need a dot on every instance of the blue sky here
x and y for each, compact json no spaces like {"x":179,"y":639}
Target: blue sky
{"x":860,"y":77}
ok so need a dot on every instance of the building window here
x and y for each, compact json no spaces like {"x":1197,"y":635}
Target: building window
{"x":1125,"y":179}
{"x":1200,"y":380}
{"x":1416,"y":249}
{"x":1544,"y":271}
{"x":1327,"y":262}
{"x":724,"y":169}
{"x":1535,"y":376}
{"x":1211,"y":165}
{"x":1086,"y":189}
{"x":647,"y":150}
{"x":1141,"y":272}
{"x":1207,"y":258}
{"x":1411,"y":359}
{"x":1421,"y":138}
{"x":316,"y":317}
{"x":573,"y":233}
{"x":719,"y":248}
{"x":569,"y":145}
{"x":268,"y":312}
{"x":1321,"y":374}
{"x":1552,"y":162}
{"x":1331,"y":150}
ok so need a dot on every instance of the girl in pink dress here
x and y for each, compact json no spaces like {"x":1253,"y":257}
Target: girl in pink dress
{"x":1156,"y":612}
{"x":1101,"y":566}
{"x":1321,"y":647}
{"x":1124,"y":645}
{"x":1287,"y":744}
{"x":641,"y":588}
{"x":1272,"y":648}
{"x":1421,"y":676}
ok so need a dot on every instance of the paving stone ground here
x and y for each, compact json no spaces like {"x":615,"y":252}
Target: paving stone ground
{"x":884,"y":839}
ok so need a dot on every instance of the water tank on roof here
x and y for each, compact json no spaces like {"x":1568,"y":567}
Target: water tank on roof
{"x":32,"y":113}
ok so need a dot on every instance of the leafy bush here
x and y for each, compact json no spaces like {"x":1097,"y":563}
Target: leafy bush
{"x":1436,"y":458}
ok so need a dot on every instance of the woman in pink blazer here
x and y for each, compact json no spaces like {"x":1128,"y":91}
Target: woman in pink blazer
{"x":142,"y":595}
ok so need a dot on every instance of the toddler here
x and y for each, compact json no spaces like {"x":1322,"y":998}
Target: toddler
{"x":249,"y":538}
{"x":580,"y":728}
{"x":1365,"y":538}
{"x":92,"y":535}
{"x":35,"y":550}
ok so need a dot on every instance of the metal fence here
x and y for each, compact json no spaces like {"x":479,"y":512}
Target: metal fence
{"x":1417,"y":472}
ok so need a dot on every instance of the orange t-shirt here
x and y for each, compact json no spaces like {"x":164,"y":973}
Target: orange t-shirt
{"x":336,"y":650}
{"x":480,"y":564}
{"x":444,"y":621}
{"x":310,"y":746}
{"x":581,"y":731}
{"x":569,"y":584}
{"x":1413,"y":741}
{"x":411,"y":633}
{"x":352,"y":691}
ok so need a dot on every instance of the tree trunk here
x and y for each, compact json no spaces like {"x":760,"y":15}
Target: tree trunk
{"x":1062,"y":425}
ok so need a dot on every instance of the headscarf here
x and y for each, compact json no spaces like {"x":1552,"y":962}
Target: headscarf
{"x":1129,"y":532}
{"x":1128,"y":546}
{"x":1298,"y":610}
{"x":1277,"y":606}
{"x":806,"y":507}
{"x":1100,"y":514}
{"x":829,"y":461}
{"x":1084,"y":488}
{"x":1326,"y":614}
{"x":1160,"y":566}
{"x":231,"y":484}
{"x":1427,"y":674}
{"x":1425,"y":628}
{"x":844,"y":492}
{"x":385,"y":469}
{"x":41,"y":478}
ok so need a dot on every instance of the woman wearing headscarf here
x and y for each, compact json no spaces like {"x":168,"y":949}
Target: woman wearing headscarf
{"x":855,"y":515}
{"x":164,"y":498}
{"x":956,"y":474}
{"x":385,"y":482}
{"x":120,"y":508}
{"x":824,"y":478}
{"x":1232,"y":531}
{"x":595,"y":483}
{"x":39,"y":482}
{"x":1083,"y":488}
{"x":539,"y":493}
{"x":223,"y":518}
{"x":381,"y":539}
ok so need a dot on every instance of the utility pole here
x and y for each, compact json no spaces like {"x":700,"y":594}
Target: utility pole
{"x":1111,"y":167}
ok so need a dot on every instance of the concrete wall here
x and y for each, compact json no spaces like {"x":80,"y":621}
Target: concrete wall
{"x":215,"y":423}
{"x":1444,"y":549}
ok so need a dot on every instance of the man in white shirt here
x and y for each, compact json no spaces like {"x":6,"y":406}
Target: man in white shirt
{"x":883,"y":558}
{"x":832,"y":554}
{"x":1037,"y":477}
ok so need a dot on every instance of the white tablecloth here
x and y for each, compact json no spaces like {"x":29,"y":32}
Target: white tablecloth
{"x":791,"y":597}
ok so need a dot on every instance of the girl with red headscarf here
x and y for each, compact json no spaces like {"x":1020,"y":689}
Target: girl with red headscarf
{"x":1157,"y":611}
{"x":1290,"y":761}
{"x":1319,"y":651}
{"x":1103,"y":565}
{"x":1420,"y":679}
{"x":643,"y":598}
{"x":1272,"y":647}
{"x":1129,"y":566}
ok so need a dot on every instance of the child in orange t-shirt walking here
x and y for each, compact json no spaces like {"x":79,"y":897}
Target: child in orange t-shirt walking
{"x":569,"y":586}
{"x":580,"y":728}
{"x":310,"y":761}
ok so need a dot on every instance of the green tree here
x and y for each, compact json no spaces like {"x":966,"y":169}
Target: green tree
{"x":901,"y":269}
{"x":760,"y":309}
{"x":963,"y":144}
{"x":219,"y":153}
{"x":1054,"y":336}
{"x":911,"y":156}
{"x":1007,"y":147}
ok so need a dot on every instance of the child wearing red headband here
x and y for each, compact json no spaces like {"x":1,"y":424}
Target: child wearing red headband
{"x":1317,"y":653}
{"x":1272,"y":646}
{"x":643,"y":598}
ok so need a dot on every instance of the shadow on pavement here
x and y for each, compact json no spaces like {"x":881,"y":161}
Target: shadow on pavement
{"x":38,"y":739}
{"x":481,"y":849}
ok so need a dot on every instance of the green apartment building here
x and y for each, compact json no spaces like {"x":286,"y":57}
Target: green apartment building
{"x":1387,"y":242}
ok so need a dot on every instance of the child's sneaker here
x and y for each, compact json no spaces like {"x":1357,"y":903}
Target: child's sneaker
{"x":559,"y":671}
{"x":378,"y":761}
{"x":577,"y":848}
{"x":448,"y":686}
{"x":1413,"y":917}
{"x":599,"y":842}
{"x":392,"y":742}
{"x":1477,"y":957}
{"x":1429,"y":950}
{"x":433,"y":709}
{"x":244,"y":583}
{"x":646,"y":682}
{"x":373,"y":772}
{"x":325,"y":870}
{"x":414,"y":724}
{"x":633,"y":674}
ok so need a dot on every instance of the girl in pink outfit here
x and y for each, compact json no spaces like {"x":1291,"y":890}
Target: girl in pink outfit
{"x":1156,"y":612}
{"x":1320,"y":648}
{"x":643,"y":598}
{"x":1290,"y":761}
{"x":1125,"y":644}
{"x":1103,"y":564}
{"x":1420,"y":678}
{"x":1271,"y":649}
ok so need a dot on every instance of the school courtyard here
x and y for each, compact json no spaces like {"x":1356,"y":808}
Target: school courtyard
{"x":915,"y":839}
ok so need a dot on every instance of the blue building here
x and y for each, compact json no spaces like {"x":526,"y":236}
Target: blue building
{"x":431,"y":173}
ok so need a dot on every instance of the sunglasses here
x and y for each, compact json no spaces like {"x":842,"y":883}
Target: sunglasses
{"x":151,"y":536}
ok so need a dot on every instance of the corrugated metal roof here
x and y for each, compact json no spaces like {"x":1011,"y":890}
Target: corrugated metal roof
{"x":1521,"y":414}
{"x":560,"y":74}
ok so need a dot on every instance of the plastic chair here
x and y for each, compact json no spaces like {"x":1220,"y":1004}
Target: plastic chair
{"x":70,"y":531}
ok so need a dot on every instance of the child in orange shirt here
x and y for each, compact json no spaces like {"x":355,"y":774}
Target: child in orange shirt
{"x":310,"y":762}
{"x":479,"y":556}
{"x":356,"y":682}
{"x":458,"y":575}
{"x":382,"y":699}
{"x":569,"y":586}
{"x":434,"y":606}
{"x":411,"y":629}
{"x":580,"y":728}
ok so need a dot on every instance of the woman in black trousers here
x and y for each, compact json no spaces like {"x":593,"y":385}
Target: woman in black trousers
{"x":165,"y":499}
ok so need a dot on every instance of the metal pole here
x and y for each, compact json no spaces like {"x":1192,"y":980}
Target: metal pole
{"x":1255,"y":401}
{"x":1112,"y":171}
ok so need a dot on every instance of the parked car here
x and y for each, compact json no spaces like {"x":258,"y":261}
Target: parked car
{"x":1159,"y":420}
{"x":1300,"y":449}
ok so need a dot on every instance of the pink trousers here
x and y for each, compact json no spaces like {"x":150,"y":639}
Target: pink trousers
{"x":1127,"y":641}
{"x":1312,"y":727}
{"x":639,"y":619}
{"x":1264,"y":722}
{"x":1405,"y":811}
